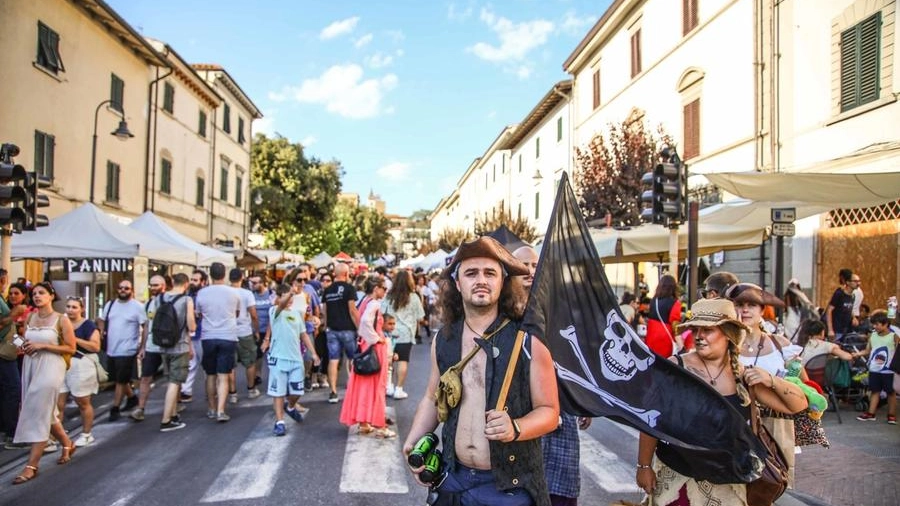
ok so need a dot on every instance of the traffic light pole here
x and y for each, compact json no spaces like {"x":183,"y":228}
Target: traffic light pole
{"x":673,"y":252}
{"x":5,"y":247}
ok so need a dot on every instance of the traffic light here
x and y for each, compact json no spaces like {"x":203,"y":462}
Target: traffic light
{"x":13,"y":197}
{"x":35,"y":200}
{"x":664,"y":186}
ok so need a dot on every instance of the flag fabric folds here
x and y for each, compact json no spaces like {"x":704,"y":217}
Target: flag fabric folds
{"x":605,"y":369}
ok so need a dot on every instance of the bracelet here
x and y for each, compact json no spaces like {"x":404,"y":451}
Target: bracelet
{"x":639,"y":466}
{"x":516,"y":430}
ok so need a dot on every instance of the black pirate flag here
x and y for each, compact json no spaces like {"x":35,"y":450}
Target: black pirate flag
{"x":605,"y":369}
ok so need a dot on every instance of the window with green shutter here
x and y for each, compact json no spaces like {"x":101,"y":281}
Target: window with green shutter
{"x":113,"y":171}
{"x":200,"y":198}
{"x":537,"y":147}
{"x":223,"y":184}
{"x":44,"y":145}
{"x":48,"y":49}
{"x":537,"y":206}
{"x":169,"y":98}
{"x":559,"y":130}
{"x":165,"y":177}
{"x":241,"y":138}
{"x":201,"y":125}
{"x":226,"y":119}
{"x":116,"y":92}
{"x":238,"y":191}
{"x":860,"y":63}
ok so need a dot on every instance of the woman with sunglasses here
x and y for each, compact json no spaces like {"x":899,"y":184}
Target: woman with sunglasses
{"x":48,"y":336}
{"x":769,"y":354}
{"x":718,"y":335}
{"x":81,"y":378}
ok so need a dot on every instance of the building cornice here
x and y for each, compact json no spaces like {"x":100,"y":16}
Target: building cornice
{"x":187,"y":75}
{"x":110,"y":20}
{"x":231,"y":85}
{"x":597,"y":35}
{"x":557,"y":93}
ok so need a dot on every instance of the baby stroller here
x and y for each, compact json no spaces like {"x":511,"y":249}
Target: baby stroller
{"x":857,"y":390}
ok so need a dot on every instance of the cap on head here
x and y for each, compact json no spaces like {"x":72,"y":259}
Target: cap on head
{"x":487,"y":247}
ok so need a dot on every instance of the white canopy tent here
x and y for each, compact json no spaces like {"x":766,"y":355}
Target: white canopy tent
{"x":88,"y":232}
{"x":321,"y":260}
{"x":412,"y":261}
{"x":150,"y":224}
{"x":434,"y":260}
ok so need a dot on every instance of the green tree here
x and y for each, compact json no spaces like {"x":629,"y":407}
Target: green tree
{"x":609,"y":170}
{"x":296,"y":195}
{"x":519,"y":226}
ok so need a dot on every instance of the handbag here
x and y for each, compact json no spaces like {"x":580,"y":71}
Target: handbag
{"x":102,"y":374}
{"x":774,"y":478}
{"x":839,"y":373}
{"x":367,"y":363}
{"x":8,"y":350}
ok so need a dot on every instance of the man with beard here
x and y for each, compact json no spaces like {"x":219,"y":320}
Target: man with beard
{"x":490,"y":457}
{"x":123,"y":323}
{"x":149,"y":354}
{"x":198,"y":280}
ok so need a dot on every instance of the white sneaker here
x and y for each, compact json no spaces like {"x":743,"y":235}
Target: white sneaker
{"x":51,"y":447}
{"x":400,"y":394}
{"x":84,"y":440}
{"x":233,"y":398}
{"x":390,"y":389}
{"x":253,"y":393}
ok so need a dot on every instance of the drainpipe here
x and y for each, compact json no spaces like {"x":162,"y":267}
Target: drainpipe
{"x":212,"y":173}
{"x":773,"y":86}
{"x":757,"y":84}
{"x":152,"y":95}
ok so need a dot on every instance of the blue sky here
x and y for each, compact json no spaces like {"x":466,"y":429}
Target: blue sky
{"x":404,"y":93}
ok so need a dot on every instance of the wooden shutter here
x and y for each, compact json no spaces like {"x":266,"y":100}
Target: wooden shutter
{"x":597,"y":88}
{"x":169,"y":97}
{"x":869,"y":58}
{"x":692,"y":129}
{"x":636,"y":52}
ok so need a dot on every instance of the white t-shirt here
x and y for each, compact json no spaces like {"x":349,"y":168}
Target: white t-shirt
{"x":816,"y":347}
{"x":244,"y":324}
{"x":218,"y":306}
{"x":123,"y":325}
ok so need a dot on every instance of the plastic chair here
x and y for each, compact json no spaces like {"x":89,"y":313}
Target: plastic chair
{"x":815,"y":369}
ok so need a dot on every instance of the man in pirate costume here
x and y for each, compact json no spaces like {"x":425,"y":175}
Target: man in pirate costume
{"x":493,"y":387}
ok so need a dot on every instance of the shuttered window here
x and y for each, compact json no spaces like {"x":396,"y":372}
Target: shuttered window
{"x":559,"y":129}
{"x":165,"y":177}
{"x":241,"y":138}
{"x":48,"y":49}
{"x":112,"y":181}
{"x":689,"y":17}
{"x":226,"y":119}
{"x":860,"y":63}
{"x":238,"y":191}
{"x":44,"y":145}
{"x":169,"y":98}
{"x":636,"y":52}
{"x":116,"y":92}
{"x":692,"y":129}
{"x":597,"y":88}
{"x":223,"y":184}
{"x":201,"y":124}
{"x":200,"y":198}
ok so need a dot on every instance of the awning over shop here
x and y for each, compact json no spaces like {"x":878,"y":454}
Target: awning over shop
{"x":150,"y":224}
{"x":836,"y":190}
{"x":88,"y":232}
{"x":275,"y":256}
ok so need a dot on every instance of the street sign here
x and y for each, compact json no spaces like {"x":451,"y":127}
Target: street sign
{"x":783,"y":229}
{"x":784,"y":215}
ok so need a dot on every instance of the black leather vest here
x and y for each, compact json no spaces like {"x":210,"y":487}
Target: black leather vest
{"x":517,"y":463}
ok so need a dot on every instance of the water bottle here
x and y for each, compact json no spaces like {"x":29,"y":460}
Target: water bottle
{"x":892,"y":307}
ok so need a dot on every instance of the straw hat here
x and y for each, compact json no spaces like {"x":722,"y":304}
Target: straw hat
{"x":713,"y":313}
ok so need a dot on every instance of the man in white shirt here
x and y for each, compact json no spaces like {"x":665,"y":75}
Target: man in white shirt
{"x":248,"y":336}
{"x":218,"y":306}
{"x":123,"y":324}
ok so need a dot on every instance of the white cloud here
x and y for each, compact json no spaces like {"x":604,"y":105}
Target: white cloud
{"x":362,"y":41}
{"x":396,"y":171}
{"x":339,"y":28}
{"x":516,"y":40}
{"x":457,"y":13}
{"x":265,"y":125}
{"x":395,"y":35}
{"x":574,"y":25}
{"x":309,"y":140}
{"x":343,"y":90}
{"x":379,"y":60}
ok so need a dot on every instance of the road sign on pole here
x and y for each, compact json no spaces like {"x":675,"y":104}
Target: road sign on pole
{"x":783,"y":229}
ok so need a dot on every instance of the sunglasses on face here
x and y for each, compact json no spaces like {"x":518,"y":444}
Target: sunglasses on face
{"x":75,"y":298}
{"x":124,"y":288}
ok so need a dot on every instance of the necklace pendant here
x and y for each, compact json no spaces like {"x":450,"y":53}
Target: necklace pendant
{"x":712,"y":382}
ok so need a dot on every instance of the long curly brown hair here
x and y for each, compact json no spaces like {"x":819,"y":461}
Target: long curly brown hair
{"x":511,"y":303}
{"x":400,"y":292}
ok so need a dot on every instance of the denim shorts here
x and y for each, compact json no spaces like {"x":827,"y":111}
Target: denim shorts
{"x":341,"y":340}
{"x":477,"y":488}
{"x":218,"y":356}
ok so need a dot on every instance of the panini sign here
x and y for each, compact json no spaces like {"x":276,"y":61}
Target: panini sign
{"x":98,"y":265}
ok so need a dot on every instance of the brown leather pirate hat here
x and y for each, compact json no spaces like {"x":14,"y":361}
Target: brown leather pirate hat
{"x":487,"y":247}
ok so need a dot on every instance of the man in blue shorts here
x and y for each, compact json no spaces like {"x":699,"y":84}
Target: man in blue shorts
{"x":341,"y":321}
{"x":218,"y":306}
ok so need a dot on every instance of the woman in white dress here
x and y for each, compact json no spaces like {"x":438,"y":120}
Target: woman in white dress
{"x":48,"y":336}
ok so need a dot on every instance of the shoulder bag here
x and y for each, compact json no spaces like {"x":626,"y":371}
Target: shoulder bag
{"x":367,"y":363}
{"x":774,"y":479}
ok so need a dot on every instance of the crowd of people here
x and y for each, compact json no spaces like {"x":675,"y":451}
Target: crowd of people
{"x":504,"y":442}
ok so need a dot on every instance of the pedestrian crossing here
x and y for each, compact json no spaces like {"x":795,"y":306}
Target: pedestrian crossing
{"x":369,"y":467}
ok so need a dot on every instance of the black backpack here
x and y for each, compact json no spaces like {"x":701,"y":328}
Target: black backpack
{"x":166,"y":329}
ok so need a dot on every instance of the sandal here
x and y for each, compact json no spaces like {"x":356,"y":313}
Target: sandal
{"x":67,"y":453}
{"x":365,"y":431}
{"x":20,"y":479}
{"x":385,"y":433}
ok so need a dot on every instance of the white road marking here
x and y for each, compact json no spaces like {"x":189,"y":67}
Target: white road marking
{"x":124,"y":500}
{"x":252,"y":471}
{"x":373,"y":465}
{"x":605,"y":467}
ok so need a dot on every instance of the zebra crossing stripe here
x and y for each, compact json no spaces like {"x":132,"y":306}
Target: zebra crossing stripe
{"x":252,"y":471}
{"x":605,"y":467}
{"x":373,"y":465}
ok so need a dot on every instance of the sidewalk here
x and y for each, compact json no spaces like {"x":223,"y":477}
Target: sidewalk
{"x":862,"y":467}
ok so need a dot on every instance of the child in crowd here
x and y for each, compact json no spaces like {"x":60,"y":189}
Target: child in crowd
{"x":880,"y":349}
{"x":282,"y":345}
{"x":390,"y":323}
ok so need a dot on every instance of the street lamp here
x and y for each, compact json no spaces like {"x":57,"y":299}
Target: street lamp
{"x":120,"y":133}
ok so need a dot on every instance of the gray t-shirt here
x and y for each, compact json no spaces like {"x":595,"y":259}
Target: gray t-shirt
{"x":123,"y":325}
{"x":244,"y":324}
{"x":218,"y":306}
{"x":181,"y":310}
